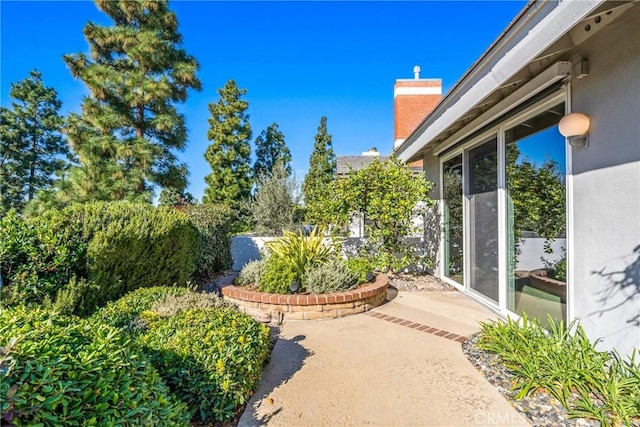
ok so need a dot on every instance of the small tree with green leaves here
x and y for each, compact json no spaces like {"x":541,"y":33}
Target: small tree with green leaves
{"x":271,"y":148}
{"x":275,"y":201}
{"x":230,"y":150}
{"x":33,"y":150}
{"x":322,"y":172}
{"x":387,"y":196}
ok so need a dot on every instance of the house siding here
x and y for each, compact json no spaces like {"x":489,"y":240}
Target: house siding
{"x":606,"y":182}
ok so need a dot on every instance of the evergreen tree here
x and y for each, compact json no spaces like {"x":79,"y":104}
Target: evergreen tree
{"x":230,"y":149}
{"x":322,"y":171}
{"x":270,"y":149}
{"x":130,"y":129}
{"x":33,"y":150}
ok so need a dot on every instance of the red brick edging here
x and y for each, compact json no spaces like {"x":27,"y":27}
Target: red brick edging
{"x":272,"y":307}
{"x":418,"y":326}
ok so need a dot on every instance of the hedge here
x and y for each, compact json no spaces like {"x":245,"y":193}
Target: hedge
{"x":104,"y":249}
{"x":213,"y":223}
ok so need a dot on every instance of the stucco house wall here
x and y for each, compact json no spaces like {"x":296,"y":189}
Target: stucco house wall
{"x":606,"y":187}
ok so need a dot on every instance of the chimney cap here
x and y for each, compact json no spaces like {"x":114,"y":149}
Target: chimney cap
{"x":372,"y":152}
{"x":416,"y":72}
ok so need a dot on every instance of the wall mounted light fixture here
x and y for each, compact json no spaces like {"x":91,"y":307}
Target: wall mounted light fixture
{"x":575,"y":127}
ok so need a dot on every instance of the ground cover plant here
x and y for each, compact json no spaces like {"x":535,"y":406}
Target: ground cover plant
{"x":589,"y":383}
{"x":210,"y":355}
{"x":61,"y":370}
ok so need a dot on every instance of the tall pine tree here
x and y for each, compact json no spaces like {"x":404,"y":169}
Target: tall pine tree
{"x":271,"y":148}
{"x":127,"y":137}
{"x":33,"y":150}
{"x":230,"y":150}
{"x":322,"y":171}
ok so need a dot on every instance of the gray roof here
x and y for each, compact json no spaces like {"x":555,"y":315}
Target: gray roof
{"x":346,"y":164}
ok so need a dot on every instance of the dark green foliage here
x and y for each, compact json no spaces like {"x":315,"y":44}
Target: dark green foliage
{"x":589,"y":383}
{"x":116,"y":247}
{"x":211,"y":358}
{"x":275,"y":201}
{"x":271,"y":149}
{"x":333,"y":276}
{"x":130,"y":129}
{"x":322,"y":172}
{"x":213,"y":224}
{"x":57,"y":370}
{"x":175,"y":199}
{"x":278,"y":276}
{"x":38,"y":258}
{"x":229,"y":153}
{"x":123,"y":312}
{"x":32,"y":149}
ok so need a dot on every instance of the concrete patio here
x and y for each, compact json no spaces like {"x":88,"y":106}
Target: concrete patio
{"x":398,"y":365}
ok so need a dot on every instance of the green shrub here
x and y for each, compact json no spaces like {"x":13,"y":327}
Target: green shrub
{"x":361,"y":266}
{"x":211,"y":358}
{"x":124,"y":312}
{"x":334,"y":276}
{"x":277,"y":277}
{"x":251,"y":273}
{"x":299,"y":250}
{"x":562,"y":362}
{"x":116,"y":247}
{"x":59,"y":370}
{"x":37,"y":259}
{"x":214,"y":224}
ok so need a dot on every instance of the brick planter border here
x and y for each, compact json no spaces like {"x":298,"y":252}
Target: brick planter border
{"x":274,"y":308}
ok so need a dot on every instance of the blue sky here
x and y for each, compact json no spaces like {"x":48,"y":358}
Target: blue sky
{"x":298,"y":61}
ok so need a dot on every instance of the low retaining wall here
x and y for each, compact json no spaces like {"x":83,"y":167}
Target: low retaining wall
{"x":273,"y":308}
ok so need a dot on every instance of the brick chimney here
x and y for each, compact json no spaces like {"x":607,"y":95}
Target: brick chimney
{"x":413,"y":99}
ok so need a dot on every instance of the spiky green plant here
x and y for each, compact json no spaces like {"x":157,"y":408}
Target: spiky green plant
{"x":300,"y":250}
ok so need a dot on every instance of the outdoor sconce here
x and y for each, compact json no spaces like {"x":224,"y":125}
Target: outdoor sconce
{"x":575,"y":127}
{"x":294,"y":286}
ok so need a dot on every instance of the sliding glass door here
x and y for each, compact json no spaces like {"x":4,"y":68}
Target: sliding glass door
{"x":482,"y":202}
{"x":453,"y":219}
{"x":536,"y":208}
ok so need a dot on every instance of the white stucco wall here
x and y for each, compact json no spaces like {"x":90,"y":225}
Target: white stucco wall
{"x":606,"y":188}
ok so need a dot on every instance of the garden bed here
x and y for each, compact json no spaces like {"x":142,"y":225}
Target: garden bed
{"x":274,"y":308}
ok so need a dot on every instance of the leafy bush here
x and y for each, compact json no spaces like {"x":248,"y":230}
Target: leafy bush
{"x":334,"y":276}
{"x":361,"y":266}
{"x":389,"y":196}
{"x":561,"y":362}
{"x":277,"y":276}
{"x":299,"y":250}
{"x":124,"y":312}
{"x":211,"y":358}
{"x":37,"y":259}
{"x":214,"y":224}
{"x":251,"y":273}
{"x":116,"y":247}
{"x":59,"y":370}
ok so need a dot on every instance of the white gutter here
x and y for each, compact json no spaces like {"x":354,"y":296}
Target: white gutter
{"x":558,"y":22}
